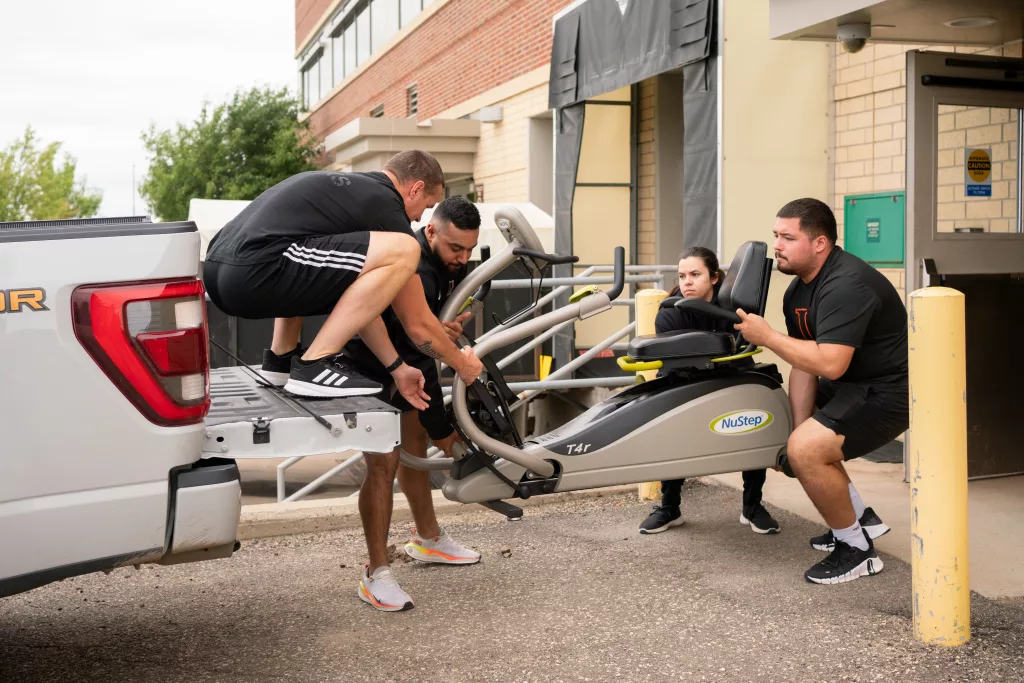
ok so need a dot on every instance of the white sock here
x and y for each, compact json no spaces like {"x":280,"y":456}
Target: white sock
{"x":858,"y":504}
{"x":853,"y":535}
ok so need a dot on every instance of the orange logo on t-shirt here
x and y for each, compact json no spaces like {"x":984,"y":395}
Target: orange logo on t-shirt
{"x":801,"y":322}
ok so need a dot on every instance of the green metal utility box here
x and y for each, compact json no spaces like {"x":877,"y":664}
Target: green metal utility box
{"x":873,"y":227}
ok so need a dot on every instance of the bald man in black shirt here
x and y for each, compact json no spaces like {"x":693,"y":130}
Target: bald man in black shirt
{"x":847,"y":343}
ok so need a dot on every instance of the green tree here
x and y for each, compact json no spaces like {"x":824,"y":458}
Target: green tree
{"x":34,"y":186}
{"x":234,"y":151}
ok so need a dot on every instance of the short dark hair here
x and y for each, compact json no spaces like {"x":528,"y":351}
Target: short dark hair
{"x":415,"y":164}
{"x":816,"y":218}
{"x":458,"y":211}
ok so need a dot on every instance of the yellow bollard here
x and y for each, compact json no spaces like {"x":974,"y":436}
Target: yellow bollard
{"x":646,"y":307}
{"x":938,"y":467}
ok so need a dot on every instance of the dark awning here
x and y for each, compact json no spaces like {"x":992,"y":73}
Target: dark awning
{"x":600,"y":47}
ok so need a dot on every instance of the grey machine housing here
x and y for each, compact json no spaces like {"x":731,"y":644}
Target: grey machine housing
{"x":711,"y":410}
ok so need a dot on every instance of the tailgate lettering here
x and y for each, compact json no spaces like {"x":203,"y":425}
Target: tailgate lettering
{"x":17,"y":300}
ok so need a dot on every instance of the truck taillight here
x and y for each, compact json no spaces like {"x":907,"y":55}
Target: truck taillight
{"x":150,"y":338}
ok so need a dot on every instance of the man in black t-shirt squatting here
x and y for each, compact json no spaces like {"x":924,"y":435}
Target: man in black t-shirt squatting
{"x":847,"y":344}
{"x":446,"y":243}
{"x":341,"y":245}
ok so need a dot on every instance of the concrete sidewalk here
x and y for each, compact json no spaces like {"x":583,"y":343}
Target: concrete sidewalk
{"x":571,"y":593}
{"x":995,"y":508}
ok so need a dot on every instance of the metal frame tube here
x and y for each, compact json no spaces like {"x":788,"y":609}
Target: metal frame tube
{"x":315,"y":484}
{"x":572,"y":281}
{"x":281,"y":492}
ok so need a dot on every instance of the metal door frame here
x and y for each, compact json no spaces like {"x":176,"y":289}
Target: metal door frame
{"x":935,"y":78}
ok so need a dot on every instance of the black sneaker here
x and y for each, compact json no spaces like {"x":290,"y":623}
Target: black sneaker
{"x":328,"y":377}
{"x":846,"y":563}
{"x":661,"y":519}
{"x":759,"y":520}
{"x":869,"y":521}
{"x":276,"y":369}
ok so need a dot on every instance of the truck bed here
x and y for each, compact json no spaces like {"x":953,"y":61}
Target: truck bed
{"x":248,"y":420}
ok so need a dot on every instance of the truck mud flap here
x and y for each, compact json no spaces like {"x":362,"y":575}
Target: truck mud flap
{"x":247,"y":420}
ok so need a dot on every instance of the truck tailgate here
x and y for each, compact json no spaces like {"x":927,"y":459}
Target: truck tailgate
{"x":248,"y":420}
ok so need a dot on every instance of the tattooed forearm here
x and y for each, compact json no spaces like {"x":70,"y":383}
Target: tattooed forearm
{"x":428,"y":350}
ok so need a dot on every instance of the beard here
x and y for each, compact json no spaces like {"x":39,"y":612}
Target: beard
{"x":784,"y":266}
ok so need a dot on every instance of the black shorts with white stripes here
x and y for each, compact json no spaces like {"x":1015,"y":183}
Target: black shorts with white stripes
{"x":307,"y":279}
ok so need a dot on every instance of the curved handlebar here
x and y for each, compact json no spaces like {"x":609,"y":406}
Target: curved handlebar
{"x":620,"y":274}
{"x":481,"y":293}
{"x":541,"y":256}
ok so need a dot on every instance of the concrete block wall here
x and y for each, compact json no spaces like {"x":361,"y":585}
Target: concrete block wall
{"x":961,"y":127}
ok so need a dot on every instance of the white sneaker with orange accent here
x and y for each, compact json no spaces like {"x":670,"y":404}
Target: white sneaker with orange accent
{"x":441,"y":549}
{"x":382,"y":591}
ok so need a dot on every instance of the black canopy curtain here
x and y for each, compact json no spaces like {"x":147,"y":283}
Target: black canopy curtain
{"x":603,"y":45}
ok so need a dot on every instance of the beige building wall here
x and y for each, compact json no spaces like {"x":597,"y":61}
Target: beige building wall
{"x":501,"y":158}
{"x":776,"y":106}
{"x":871,"y":136}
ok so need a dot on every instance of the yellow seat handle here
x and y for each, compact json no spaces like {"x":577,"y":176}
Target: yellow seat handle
{"x":629,"y":365}
{"x":583,"y":293}
{"x":469,"y":302}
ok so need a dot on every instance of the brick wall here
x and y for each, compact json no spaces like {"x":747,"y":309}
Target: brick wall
{"x":871,"y":130}
{"x":307,"y":15}
{"x":645,"y":224}
{"x":502,"y":152}
{"x":465,"y":48}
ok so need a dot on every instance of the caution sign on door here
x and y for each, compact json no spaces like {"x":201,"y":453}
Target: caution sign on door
{"x":978,"y":171}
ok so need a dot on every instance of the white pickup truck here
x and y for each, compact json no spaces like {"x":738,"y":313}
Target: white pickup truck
{"x":117,"y":442}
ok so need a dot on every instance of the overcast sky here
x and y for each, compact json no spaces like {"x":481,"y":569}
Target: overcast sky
{"x":94,"y":74}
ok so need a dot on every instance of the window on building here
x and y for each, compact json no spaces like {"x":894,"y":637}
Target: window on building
{"x":325,"y":71}
{"x":384,"y":18}
{"x":410,"y":8}
{"x":412,"y":99}
{"x":350,"y":49}
{"x":311,"y":83}
{"x":363,"y":35}
{"x":338,"y":57}
{"x":377,"y":112}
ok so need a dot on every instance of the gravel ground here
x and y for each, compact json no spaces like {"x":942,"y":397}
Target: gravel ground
{"x":570,"y":593}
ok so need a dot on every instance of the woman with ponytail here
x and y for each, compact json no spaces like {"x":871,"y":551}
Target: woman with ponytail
{"x":700,"y":277}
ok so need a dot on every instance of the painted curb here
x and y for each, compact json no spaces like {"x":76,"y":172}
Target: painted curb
{"x":313,"y":516}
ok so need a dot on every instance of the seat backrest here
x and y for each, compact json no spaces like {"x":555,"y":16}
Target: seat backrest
{"x":746,"y":282}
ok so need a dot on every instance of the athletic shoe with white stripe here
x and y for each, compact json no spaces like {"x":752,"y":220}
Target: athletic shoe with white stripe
{"x":869,"y":521}
{"x":441,"y":549}
{"x":276,"y":369}
{"x":319,"y":258}
{"x":381,"y":590}
{"x":846,"y":563}
{"x":328,"y":377}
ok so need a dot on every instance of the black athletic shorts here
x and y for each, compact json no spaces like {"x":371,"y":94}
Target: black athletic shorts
{"x":868,"y":415}
{"x":307,"y":279}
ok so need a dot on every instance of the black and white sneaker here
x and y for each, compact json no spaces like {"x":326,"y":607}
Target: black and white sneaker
{"x":328,"y":377}
{"x":869,"y":521}
{"x":846,"y":563}
{"x":276,"y":369}
{"x":661,"y":519}
{"x":759,"y":520}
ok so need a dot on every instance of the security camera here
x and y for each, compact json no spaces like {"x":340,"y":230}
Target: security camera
{"x":853,"y":36}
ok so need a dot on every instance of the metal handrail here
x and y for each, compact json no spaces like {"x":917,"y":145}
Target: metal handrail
{"x":526,"y":390}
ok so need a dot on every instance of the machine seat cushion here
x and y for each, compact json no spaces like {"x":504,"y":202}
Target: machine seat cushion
{"x":685,"y":344}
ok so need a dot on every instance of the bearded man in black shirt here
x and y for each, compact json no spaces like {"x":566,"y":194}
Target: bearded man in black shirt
{"x":847,"y":343}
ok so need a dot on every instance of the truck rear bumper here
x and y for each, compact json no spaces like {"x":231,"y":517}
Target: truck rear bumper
{"x":207,"y":505}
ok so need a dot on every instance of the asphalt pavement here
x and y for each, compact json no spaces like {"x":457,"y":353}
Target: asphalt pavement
{"x":570,"y":593}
